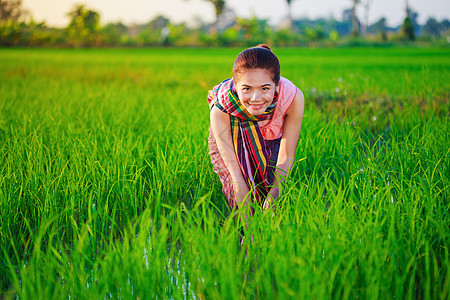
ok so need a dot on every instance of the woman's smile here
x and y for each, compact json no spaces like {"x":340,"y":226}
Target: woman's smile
{"x":257,"y":106}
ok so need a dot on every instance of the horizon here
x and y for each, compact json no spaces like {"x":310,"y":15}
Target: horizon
{"x":53,"y":12}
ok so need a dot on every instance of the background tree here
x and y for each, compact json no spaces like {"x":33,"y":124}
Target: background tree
{"x":380,"y":27}
{"x":408,"y":29}
{"x":367,"y":5}
{"x":155,"y":32}
{"x":355,"y":21}
{"x":346,"y":26}
{"x":431,"y":28}
{"x":289,"y":2}
{"x":445,"y":27}
{"x":84,"y":27}
{"x":253,"y":31}
{"x":408,"y":25}
{"x":10,"y":10}
{"x":13,"y":32}
{"x":219,"y":6}
{"x":114,"y":34}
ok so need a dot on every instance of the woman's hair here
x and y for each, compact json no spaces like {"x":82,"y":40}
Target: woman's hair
{"x":259,"y":57}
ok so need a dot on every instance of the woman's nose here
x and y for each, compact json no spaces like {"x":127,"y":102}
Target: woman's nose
{"x":255,"y":96}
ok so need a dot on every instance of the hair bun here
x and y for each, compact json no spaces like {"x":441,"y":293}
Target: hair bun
{"x":257,"y":58}
{"x":264,"y":46}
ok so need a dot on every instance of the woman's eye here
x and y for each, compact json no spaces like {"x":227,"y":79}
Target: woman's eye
{"x":265,"y":89}
{"x":246,"y":89}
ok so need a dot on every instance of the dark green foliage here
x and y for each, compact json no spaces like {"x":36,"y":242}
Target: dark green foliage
{"x":408,"y":29}
{"x":10,"y":10}
{"x":84,"y":27}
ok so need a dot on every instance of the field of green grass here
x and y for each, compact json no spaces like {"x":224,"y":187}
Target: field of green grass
{"x":107,"y":190}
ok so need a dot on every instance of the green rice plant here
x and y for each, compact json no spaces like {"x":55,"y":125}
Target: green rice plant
{"x":107,"y":190}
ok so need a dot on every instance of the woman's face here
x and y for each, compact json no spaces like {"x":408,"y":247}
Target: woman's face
{"x":255,"y":89}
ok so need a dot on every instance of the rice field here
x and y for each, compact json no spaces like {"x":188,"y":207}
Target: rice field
{"x":107,"y":190}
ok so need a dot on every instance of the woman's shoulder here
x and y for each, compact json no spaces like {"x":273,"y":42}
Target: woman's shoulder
{"x":287,"y":86}
{"x":285,"y":80}
{"x":287,"y":94}
{"x":219,"y":91}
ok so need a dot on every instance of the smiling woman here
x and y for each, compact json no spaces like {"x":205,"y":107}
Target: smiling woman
{"x":256,"y":118}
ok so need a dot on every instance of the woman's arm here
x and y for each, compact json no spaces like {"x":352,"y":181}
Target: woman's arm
{"x":288,"y":145}
{"x":221,"y":127}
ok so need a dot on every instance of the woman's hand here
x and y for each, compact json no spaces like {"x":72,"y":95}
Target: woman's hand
{"x":243,"y":198}
{"x":272,"y":196}
{"x":269,"y":203}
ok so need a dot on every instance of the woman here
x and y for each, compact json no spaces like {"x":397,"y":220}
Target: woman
{"x":256,"y":118}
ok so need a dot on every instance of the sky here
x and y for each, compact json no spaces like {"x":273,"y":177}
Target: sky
{"x":53,"y":12}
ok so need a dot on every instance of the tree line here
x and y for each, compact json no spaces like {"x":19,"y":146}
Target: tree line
{"x":17,"y":28}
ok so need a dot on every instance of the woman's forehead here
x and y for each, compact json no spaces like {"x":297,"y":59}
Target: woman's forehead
{"x":254,"y":77}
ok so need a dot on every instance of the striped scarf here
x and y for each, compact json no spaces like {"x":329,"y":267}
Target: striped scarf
{"x":252,"y":149}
